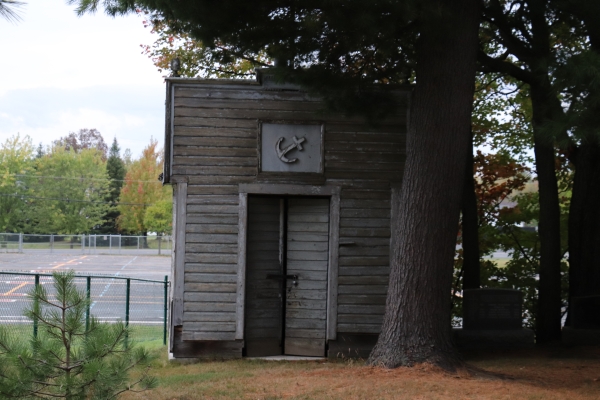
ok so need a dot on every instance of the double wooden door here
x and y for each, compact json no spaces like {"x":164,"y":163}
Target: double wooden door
{"x":286,"y":276}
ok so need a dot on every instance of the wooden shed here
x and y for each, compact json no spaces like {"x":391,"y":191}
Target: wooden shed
{"x":281,"y":220}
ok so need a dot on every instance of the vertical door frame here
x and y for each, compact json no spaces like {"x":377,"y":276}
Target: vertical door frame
{"x":333,"y":192}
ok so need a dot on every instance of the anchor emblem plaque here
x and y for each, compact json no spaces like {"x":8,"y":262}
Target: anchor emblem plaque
{"x":282,"y":152}
{"x":291,"y":148}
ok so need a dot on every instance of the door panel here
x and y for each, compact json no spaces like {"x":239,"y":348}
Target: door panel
{"x":263,"y":306}
{"x":307,"y":254}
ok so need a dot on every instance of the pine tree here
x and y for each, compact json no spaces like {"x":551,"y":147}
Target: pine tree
{"x":115,"y":167}
{"x":66,"y":360}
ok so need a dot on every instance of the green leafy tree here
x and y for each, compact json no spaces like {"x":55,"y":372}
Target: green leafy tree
{"x":141,"y":190}
{"x":16,"y":163}
{"x":159,"y":217}
{"x":66,"y":360}
{"x":69,"y":192}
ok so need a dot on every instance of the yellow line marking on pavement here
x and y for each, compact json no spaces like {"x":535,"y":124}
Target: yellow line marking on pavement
{"x":68,"y":262}
{"x":15,"y":288}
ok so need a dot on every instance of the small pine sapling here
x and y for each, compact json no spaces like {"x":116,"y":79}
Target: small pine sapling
{"x":66,"y":360}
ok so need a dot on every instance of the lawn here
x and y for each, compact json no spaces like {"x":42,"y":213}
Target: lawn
{"x":549,"y":373}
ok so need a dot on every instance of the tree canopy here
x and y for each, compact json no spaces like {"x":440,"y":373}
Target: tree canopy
{"x":141,"y":190}
{"x":68,"y":192}
{"x":16,"y":155}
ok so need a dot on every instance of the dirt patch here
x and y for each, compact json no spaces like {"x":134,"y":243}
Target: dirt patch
{"x":534,"y":374}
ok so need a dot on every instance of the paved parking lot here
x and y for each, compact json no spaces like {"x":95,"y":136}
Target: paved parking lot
{"x":108,"y":295}
{"x":133,"y":266}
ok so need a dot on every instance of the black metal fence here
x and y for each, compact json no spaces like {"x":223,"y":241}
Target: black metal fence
{"x":140,"y":303}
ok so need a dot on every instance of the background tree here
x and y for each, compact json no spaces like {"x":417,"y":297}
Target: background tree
{"x":159,"y":219}
{"x":533,"y":42}
{"x":577,"y":80}
{"x":69,"y":192}
{"x":141,"y":190}
{"x":16,"y":162}
{"x":84,"y":139}
{"x":66,"y":360}
{"x":115,"y":168}
{"x":522,"y":40}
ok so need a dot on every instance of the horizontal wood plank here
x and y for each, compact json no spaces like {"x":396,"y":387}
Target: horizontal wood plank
{"x":211,"y":228}
{"x":211,"y":238}
{"x":212,"y":189}
{"x":201,"y":316}
{"x":210,"y":287}
{"x":191,"y":277}
{"x":210,"y":268}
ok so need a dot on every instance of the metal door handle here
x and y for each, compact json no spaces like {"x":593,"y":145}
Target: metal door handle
{"x":283,"y":277}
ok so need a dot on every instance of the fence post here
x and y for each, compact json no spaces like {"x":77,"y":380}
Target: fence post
{"x":35,"y":307}
{"x":51,"y":242}
{"x":83,"y":243}
{"x":127,"y":309}
{"x":138,"y":240}
{"x":110,"y":244}
{"x":20,"y":242}
{"x":165,"y":311}
{"x":88,"y":296}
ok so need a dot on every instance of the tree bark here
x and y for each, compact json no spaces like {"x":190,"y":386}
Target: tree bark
{"x":548,"y":324}
{"x":416,"y":324}
{"x":584,"y":223}
{"x":470,"y":227}
{"x":584,"y":211}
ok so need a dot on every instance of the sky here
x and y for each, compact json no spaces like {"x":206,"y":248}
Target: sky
{"x":61,"y":73}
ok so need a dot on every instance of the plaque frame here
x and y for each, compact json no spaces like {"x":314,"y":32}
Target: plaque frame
{"x":298,"y":174}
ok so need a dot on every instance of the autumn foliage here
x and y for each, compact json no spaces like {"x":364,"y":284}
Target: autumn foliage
{"x":141,"y":190}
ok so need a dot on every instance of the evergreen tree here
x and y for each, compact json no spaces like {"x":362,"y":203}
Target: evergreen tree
{"x":115,"y":167}
{"x":9,"y":9}
{"x":66,"y":360}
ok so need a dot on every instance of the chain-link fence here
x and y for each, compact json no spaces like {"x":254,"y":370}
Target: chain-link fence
{"x":140,"y":303}
{"x":86,"y":244}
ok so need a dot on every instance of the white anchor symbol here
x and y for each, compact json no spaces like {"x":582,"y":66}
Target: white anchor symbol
{"x":282,"y":152}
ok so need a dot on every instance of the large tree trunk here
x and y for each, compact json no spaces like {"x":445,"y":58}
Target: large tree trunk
{"x":584,"y":223}
{"x":416,"y":325}
{"x":470,"y":227}
{"x":548,"y":325}
{"x":584,"y":212}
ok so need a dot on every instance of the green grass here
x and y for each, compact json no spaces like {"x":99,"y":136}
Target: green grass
{"x":148,"y":336}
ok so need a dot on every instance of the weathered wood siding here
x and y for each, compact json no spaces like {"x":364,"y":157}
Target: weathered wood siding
{"x":307,"y":258}
{"x":214,"y":144}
